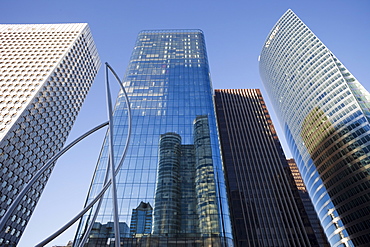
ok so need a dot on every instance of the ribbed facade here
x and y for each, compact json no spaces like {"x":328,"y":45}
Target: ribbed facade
{"x":46,"y":71}
{"x":170,"y":93}
{"x":325,"y":114}
{"x":306,"y":205}
{"x":263,"y":207}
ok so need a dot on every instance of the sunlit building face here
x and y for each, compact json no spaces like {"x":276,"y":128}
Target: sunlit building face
{"x":173,"y":162}
{"x":325,"y":113}
{"x":46,"y":71}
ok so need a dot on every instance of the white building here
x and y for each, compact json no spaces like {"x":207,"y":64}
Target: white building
{"x":46,"y":71}
{"x":325,"y":113}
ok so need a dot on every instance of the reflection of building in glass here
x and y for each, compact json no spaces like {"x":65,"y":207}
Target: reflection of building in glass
{"x":103,"y":234}
{"x":141,"y":220}
{"x":189,"y":217}
{"x":325,"y":113}
{"x":168,"y":85}
{"x":168,"y":195}
{"x":185,"y":192}
{"x":46,"y":71}
{"x":266,"y":209}
{"x":296,"y":175}
{"x":205,"y":185}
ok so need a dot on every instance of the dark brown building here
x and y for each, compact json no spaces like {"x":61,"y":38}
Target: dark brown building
{"x":265,"y":207}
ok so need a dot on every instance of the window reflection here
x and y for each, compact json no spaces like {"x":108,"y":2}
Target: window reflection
{"x":168,"y":101}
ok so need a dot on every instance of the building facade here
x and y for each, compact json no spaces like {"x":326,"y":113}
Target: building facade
{"x":304,"y":203}
{"x":325,"y":114}
{"x":266,"y":209}
{"x":173,"y":121}
{"x":141,"y":220}
{"x":46,"y":71}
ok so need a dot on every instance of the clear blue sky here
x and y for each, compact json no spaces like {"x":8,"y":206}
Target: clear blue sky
{"x":235,"y":32}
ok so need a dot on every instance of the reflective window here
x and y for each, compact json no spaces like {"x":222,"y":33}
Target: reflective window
{"x":173,"y":165}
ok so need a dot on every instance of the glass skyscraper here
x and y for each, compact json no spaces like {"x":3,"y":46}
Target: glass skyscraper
{"x":173,"y":161}
{"x":46,"y":71}
{"x":265,"y":206}
{"x":141,"y":220}
{"x":325,"y":113}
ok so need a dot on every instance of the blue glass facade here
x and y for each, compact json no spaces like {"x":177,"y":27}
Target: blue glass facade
{"x":325,"y":113}
{"x":141,"y":220}
{"x":170,"y":92}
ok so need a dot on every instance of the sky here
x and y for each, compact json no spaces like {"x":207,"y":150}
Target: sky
{"x":235,"y":31}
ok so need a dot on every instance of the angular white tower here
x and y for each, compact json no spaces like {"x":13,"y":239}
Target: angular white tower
{"x":46,"y":71}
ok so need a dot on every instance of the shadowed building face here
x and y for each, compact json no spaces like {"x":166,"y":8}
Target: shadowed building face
{"x":266,"y":209}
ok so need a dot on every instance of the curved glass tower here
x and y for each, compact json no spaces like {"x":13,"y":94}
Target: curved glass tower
{"x":325,"y":113}
{"x":173,"y":162}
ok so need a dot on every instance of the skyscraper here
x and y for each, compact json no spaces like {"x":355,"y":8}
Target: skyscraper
{"x":305,"y":203}
{"x":173,"y":121}
{"x":264,"y":208}
{"x":46,"y":71}
{"x":141,"y":220}
{"x":325,"y":114}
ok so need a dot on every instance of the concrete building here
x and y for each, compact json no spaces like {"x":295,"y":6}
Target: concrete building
{"x":46,"y":71}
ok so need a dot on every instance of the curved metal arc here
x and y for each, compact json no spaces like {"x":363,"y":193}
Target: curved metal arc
{"x":106,"y":186}
{"x":77,"y":217}
{"x":117,"y":235}
{"x":88,"y":230}
{"x":90,"y":225}
{"x":25,"y":189}
{"x":129,"y":120}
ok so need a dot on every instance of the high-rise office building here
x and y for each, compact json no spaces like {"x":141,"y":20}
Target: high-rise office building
{"x":141,"y":220}
{"x":296,"y":175}
{"x":325,"y":114}
{"x":101,"y":234}
{"x":46,"y":71}
{"x":264,"y":203}
{"x":304,"y":203}
{"x":173,"y":124}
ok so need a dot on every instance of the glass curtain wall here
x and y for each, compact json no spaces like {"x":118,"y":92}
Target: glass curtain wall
{"x":173,"y":162}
